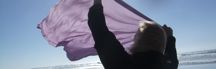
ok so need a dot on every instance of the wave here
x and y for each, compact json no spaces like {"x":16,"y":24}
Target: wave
{"x":198,"y":57}
{"x":189,"y":58}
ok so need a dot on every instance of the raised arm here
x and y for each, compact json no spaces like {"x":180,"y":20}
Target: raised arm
{"x":109,"y":49}
{"x":170,"y":52}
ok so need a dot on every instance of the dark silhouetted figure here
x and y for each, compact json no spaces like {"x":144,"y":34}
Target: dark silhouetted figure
{"x":148,"y":51}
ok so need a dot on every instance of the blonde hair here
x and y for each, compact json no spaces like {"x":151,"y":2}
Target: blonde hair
{"x":150,"y":37}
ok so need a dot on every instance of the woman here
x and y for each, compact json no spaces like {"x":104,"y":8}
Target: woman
{"x":148,"y":51}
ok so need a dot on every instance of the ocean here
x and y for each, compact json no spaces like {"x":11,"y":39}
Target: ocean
{"x":199,"y":66}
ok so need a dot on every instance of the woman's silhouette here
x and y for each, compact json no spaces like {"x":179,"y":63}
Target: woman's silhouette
{"x":154,"y":46}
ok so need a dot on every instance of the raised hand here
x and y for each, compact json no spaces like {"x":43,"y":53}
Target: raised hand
{"x":97,"y":1}
{"x":168,"y":30}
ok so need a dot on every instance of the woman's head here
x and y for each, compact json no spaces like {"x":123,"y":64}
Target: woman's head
{"x":150,"y":37}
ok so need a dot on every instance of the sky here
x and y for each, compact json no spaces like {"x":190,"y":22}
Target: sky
{"x":23,"y":47}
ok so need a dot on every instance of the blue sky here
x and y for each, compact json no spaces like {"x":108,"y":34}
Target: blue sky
{"x":23,"y":47}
